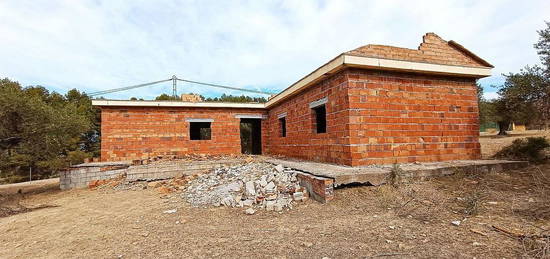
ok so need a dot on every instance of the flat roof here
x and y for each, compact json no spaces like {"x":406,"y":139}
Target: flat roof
{"x":126,"y":103}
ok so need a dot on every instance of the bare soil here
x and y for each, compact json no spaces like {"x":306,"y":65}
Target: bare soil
{"x":405,"y":221}
{"x":491,"y":144}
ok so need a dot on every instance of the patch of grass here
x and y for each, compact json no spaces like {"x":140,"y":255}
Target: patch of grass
{"x":536,"y":247}
{"x":541,"y":191}
{"x":530,"y":149}
{"x":389,"y":194}
{"x":473,"y":202}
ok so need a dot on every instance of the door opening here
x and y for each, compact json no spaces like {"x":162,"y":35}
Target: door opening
{"x":251,"y":136}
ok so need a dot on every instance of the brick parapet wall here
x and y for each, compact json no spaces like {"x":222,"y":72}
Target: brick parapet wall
{"x":130,"y":133}
{"x":432,"y":50}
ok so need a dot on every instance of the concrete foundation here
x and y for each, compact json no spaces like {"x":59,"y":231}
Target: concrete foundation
{"x":319,"y":179}
{"x":79,"y":176}
{"x":380,"y":174}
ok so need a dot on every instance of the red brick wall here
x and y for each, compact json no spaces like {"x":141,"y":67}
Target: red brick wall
{"x":405,"y":117}
{"x":301,"y":141}
{"x":141,"y":132}
{"x":376,"y":117}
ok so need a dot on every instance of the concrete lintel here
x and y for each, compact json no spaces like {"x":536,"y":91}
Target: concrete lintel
{"x":318,"y":103}
{"x":251,"y":116}
{"x":281,"y":115}
{"x":199,"y":120}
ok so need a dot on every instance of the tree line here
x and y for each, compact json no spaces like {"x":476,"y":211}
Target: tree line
{"x":222,"y":98}
{"x":524,"y":98}
{"x":44,"y":131}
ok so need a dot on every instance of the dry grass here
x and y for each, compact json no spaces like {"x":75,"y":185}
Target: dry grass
{"x":517,"y":199}
{"x":541,"y":189}
{"x":536,"y":247}
{"x":473,"y":202}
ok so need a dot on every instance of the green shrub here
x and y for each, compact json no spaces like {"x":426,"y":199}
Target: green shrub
{"x":531,"y":149}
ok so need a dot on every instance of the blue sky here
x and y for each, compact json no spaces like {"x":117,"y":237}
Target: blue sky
{"x":268,"y":45}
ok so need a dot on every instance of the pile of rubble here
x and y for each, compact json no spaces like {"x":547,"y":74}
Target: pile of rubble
{"x":254,"y":185}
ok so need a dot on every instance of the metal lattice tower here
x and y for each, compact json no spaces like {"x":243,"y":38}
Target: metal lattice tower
{"x":174,"y":87}
{"x":174,"y":80}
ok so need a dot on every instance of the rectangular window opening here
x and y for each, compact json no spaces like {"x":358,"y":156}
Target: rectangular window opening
{"x":200,"y":130}
{"x":320,"y":116}
{"x":282,"y":123}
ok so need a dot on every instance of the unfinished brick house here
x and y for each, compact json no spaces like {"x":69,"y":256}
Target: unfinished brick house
{"x":371,"y":105}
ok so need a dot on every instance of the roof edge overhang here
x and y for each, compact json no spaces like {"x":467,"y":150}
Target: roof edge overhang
{"x":471,"y":54}
{"x":126,"y":103}
{"x":344,"y":60}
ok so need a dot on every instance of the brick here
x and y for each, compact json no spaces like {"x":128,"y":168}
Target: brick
{"x":320,"y":189}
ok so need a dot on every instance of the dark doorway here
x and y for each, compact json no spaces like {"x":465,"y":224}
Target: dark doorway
{"x":251,"y":136}
{"x":320,"y":119}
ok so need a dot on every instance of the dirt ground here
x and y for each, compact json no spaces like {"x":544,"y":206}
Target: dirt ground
{"x":406,"y":221}
{"x":491,"y":144}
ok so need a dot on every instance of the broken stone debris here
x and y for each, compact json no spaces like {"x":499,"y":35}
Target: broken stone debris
{"x":256,"y":185}
{"x":170,"y":211}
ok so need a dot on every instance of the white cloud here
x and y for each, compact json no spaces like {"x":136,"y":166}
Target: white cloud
{"x":98,"y":45}
{"x":490,"y":95}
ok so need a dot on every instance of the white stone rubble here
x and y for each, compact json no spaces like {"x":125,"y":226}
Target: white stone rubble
{"x":255,"y":185}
